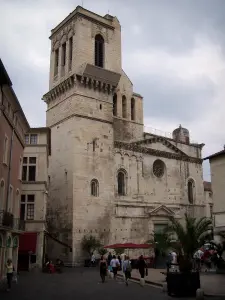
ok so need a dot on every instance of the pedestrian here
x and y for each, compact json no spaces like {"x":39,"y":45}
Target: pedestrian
{"x":109,"y":258}
{"x":115,"y":265}
{"x":119,"y":259}
{"x":127,"y":269}
{"x":142,"y":266}
{"x":9,"y":273}
{"x":103,"y":268}
{"x":93,"y":260}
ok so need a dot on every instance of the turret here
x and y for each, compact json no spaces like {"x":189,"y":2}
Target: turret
{"x":181,"y":135}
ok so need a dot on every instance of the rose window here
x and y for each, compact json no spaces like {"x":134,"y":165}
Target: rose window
{"x":158,"y":168}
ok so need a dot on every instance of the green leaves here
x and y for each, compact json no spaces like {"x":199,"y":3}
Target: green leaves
{"x":90,"y":244}
{"x":191,"y":235}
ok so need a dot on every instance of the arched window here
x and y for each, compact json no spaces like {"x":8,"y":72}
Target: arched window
{"x":121,"y":183}
{"x":132,"y":108}
{"x":94,"y":188}
{"x":124,"y":107}
{"x":191,"y":187}
{"x":99,"y":51}
{"x":115,"y":104}
{"x":2,"y":194}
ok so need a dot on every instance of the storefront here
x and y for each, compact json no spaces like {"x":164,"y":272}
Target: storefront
{"x":27,"y":251}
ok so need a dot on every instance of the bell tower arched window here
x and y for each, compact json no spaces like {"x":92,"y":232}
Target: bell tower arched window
{"x":121,"y":183}
{"x":124,"y":107}
{"x":132,"y":108}
{"x":99,"y":51}
{"x":94,"y":188}
{"x":115,"y":104}
{"x":191,"y":191}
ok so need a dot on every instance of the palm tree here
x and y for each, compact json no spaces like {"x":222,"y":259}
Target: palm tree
{"x":191,"y":236}
{"x":161,"y":241}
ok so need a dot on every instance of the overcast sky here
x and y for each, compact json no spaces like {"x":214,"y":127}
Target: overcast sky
{"x":173,"y":51}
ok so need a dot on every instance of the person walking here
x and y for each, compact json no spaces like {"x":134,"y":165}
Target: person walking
{"x":9,"y":273}
{"x":127,"y":269}
{"x":115,"y":265}
{"x":109,"y":258}
{"x":103,"y":268}
{"x":142,"y":266}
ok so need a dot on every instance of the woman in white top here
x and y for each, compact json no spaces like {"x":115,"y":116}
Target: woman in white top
{"x":115,"y":264}
{"x":9,"y":271}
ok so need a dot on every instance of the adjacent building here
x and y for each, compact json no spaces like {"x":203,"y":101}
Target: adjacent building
{"x":208,"y":199}
{"x":34,"y":197}
{"x":108,"y":177}
{"x":217,"y":166}
{"x":13,"y":126}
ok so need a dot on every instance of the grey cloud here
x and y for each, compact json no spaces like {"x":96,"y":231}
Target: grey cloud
{"x":177,"y":101}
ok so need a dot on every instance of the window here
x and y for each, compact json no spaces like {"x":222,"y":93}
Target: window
{"x":20,"y":168}
{"x":99,"y":51}
{"x":56,"y":67}
{"x":132,"y":104}
{"x":121,"y":183}
{"x":10,"y":200}
{"x":70,"y":52}
{"x":124,"y":107}
{"x":29,"y":169}
{"x":115,"y":104}
{"x":94,"y":187}
{"x":31,"y":139}
{"x":63,"y":54}
{"x":16,"y":203}
{"x":191,"y":191}
{"x":27,"y":138}
{"x":27,"y":207}
{"x":2,"y":194}
{"x":6,"y":150}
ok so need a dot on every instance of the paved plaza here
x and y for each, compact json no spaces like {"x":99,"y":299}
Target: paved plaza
{"x":80,"y":283}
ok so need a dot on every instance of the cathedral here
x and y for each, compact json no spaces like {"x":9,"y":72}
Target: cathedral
{"x":107,"y":177}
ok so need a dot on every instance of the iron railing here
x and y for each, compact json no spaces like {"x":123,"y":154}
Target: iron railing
{"x":7,"y":220}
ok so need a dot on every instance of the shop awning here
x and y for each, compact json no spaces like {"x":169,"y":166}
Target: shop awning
{"x":28,"y":242}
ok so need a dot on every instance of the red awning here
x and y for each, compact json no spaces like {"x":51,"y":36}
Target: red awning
{"x":28,"y":242}
{"x":129,"y":246}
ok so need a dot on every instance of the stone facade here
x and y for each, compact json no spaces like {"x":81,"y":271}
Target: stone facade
{"x":13,"y":125}
{"x":108,"y":177}
{"x":217,"y":166}
{"x":35,"y":190}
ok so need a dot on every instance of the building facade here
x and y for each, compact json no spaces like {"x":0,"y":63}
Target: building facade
{"x":34,"y":195}
{"x":13,"y":125}
{"x":217,"y":166}
{"x":108,"y":177}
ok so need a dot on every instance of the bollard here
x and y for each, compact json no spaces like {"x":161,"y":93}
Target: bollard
{"x":164,"y":287}
{"x":111,"y":275}
{"x":200,"y":294}
{"x":142,"y":282}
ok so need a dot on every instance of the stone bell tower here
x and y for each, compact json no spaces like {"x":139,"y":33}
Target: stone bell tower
{"x":85,"y":70}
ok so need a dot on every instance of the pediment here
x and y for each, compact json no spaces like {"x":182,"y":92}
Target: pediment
{"x":161,"y":144}
{"x":162,"y":210}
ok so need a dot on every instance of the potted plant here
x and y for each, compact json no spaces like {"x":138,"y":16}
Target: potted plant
{"x":89,"y":244}
{"x":190,"y":237}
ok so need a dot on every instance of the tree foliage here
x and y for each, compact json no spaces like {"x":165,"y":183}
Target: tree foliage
{"x":161,"y":241}
{"x":119,"y":251}
{"x":102,"y":251}
{"x":191,"y":236}
{"x":90,"y":244}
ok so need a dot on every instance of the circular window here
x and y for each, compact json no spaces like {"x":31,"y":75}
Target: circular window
{"x":158,"y":168}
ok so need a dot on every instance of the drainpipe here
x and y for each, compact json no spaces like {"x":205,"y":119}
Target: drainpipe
{"x":10,"y":162}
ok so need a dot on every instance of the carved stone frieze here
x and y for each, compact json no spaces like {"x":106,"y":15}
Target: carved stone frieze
{"x":144,"y":150}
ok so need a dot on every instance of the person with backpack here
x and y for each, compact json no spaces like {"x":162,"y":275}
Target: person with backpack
{"x":127,"y":269}
{"x":103,"y":268}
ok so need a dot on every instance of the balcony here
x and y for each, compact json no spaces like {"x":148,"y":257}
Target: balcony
{"x":8,"y":221}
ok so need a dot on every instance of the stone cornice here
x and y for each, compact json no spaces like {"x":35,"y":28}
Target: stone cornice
{"x":59,"y":89}
{"x":137,"y":148}
{"x":161,"y":140}
{"x":72,"y":81}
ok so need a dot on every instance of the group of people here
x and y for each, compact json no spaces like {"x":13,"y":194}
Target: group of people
{"x":52,"y":268}
{"x":205,"y":258}
{"x":114,"y":264}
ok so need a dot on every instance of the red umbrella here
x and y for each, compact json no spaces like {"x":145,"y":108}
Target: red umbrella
{"x":128,"y":246}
